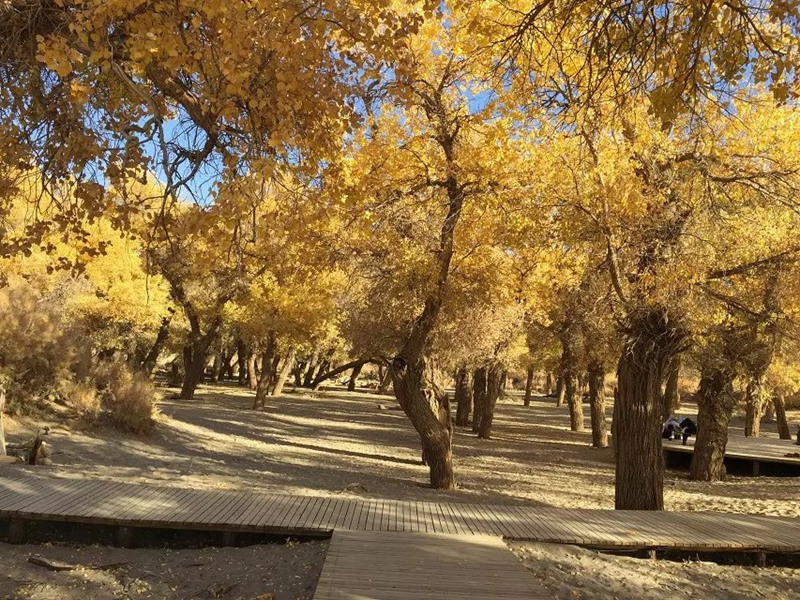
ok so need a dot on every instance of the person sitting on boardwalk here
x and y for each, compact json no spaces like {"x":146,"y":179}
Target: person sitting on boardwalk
{"x":672,"y":429}
{"x":688,"y":427}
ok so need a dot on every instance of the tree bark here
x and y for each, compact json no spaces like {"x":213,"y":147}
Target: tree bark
{"x":569,"y":375}
{"x":779,"y":403}
{"x":597,"y":403}
{"x":651,"y":341}
{"x":2,"y":428}
{"x":528,"y":387}
{"x":463,"y":397}
{"x":311,"y":367}
{"x":479,"y":383}
{"x":548,"y":386}
{"x":265,"y":379}
{"x":151,"y":360}
{"x":252,"y":371}
{"x":754,"y":407}
{"x":715,"y":404}
{"x":560,"y":391}
{"x":494,"y":386}
{"x":574,"y":402}
{"x":216,"y":369}
{"x":330,"y":374}
{"x":288,"y":364}
{"x":351,"y":385}
{"x":241,"y":354}
{"x":672,"y":397}
{"x":385,"y":382}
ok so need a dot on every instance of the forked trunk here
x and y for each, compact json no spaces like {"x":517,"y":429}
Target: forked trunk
{"x":265,"y":380}
{"x":463,"y":397}
{"x":351,"y":385}
{"x":528,"y":387}
{"x":780,"y":416}
{"x":479,"y":381}
{"x":288,"y":365}
{"x":494,"y":387}
{"x":715,"y":404}
{"x":652,"y":341}
{"x":428,"y":410}
{"x":597,"y":402}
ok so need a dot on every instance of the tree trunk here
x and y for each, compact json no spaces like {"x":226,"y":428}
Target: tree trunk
{"x":216,"y":369}
{"x":652,"y":341}
{"x":327,"y":374}
{"x":560,"y":391}
{"x":288,"y":364}
{"x":194,"y":359}
{"x":429,"y":411}
{"x":351,"y":385}
{"x":252,"y":371}
{"x":241,"y":354}
{"x":265,"y":380}
{"x":311,"y":368}
{"x":151,"y":360}
{"x":548,"y":386}
{"x":574,"y":402}
{"x":479,"y":381}
{"x":385,"y":382}
{"x":672,"y":397}
{"x":463,"y":397}
{"x":597,"y":403}
{"x":2,"y":429}
{"x":715,"y":404}
{"x":494,"y":386}
{"x":528,"y":387}
{"x":754,"y":407}
{"x":769,"y":412}
{"x":780,"y":416}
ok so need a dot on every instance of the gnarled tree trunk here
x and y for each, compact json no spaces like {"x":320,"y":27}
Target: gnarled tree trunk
{"x":463,"y":397}
{"x":715,"y":404}
{"x":265,"y":379}
{"x":494,"y":387}
{"x":597,"y":403}
{"x":528,"y":386}
{"x":479,"y":382}
{"x":651,"y":342}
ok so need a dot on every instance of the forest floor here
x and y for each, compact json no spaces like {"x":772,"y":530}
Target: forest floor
{"x":360,"y":444}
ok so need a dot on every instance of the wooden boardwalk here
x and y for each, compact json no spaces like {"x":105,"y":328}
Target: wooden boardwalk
{"x":415,"y":566}
{"x":756,"y":450}
{"x":25,"y":497}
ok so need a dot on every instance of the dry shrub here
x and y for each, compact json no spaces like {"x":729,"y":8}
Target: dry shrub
{"x":82,"y":398}
{"x":128,"y":397}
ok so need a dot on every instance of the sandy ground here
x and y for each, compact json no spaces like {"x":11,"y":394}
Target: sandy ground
{"x":572,"y":573}
{"x":322,"y":442}
{"x":265,"y":572}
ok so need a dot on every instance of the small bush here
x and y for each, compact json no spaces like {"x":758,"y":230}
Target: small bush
{"x":83,"y":399}
{"x":128,"y":397}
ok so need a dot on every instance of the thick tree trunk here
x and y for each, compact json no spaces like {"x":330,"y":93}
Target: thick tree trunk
{"x":780,"y":416}
{"x":597,"y":403}
{"x":429,"y":411}
{"x":151,"y":360}
{"x":2,"y":429}
{"x":351,"y":385}
{"x":252,"y":371}
{"x":463,"y":397}
{"x":652,"y":341}
{"x":479,"y":381}
{"x":494,"y":387}
{"x":672,"y":397}
{"x":311,"y":367}
{"x":194,"y":365}
{"x":265,"y":379}
{"x":715,"y":404}
{"x":560,"y":391}
{"x":288,"y":364}
{"x":754,"y":407}
{"x":528,"y":387}
{"x":574,"y":402}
